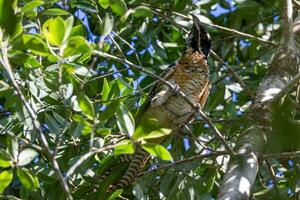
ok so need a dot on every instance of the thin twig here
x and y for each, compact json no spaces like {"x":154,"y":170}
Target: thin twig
{"x":106,"y":75}
{"x":130,"y":46}
{"x":196,"y":140}
{"x":287,"y":88}
{"x":190,"y":159}
{"x":213,"y":25}
{"x":87,"y":156}
{"x":36,"y":124}
{"x":273,"y":175}
{"x":240,"y":33}
{"x":297,"y":4}
{"x":117,"y":45}
{"x":282,"y":155}
{"x":27,"y":142}
{"x":126,"y":96}
{"x":172,"y":87}
{"x":234,"y":74}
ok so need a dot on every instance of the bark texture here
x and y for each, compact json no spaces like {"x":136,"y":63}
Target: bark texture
{"x":242,"y":169}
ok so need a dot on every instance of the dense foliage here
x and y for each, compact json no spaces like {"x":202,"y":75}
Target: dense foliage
{"x":71,"y":87}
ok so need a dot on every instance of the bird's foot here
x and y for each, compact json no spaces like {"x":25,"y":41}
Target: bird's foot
{"x":176,"y":90}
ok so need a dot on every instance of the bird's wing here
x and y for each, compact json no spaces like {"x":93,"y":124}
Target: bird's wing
{"x":165,"y":75}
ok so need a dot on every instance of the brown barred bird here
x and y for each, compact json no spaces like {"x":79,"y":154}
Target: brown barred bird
{"x":190,"y":73}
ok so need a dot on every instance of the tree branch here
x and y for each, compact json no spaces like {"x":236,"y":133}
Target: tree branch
{"x":287,"y":88}
{"x":282,"y":155}
{"x":37,"y":126}
{"x":172,"y":87}
{"x":242,"y":169}
{"x":86,"y":156}
{"x":210,"y":24}
{"x":190,"y":159}
{"x":234,"y":74}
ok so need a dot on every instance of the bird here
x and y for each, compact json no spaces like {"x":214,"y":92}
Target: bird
{"x":190,"y":75}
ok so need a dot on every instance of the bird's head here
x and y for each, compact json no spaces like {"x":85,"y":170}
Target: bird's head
{"x":199,"y":38}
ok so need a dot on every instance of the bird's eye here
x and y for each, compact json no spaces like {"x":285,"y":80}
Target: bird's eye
{"x":203,"y":36}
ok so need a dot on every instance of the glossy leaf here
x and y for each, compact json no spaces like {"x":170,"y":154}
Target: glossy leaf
{"x":103,"y":131}
{"x":26,"y":156}
{"x":142,"y":11}
{"x":5,"y":159}
{"x":5,"y":179}
{"x":118,"y":7}
{"x":104,"y":3}
{"x":55,"y":11}
{"x":32,"y":5}
{"x":105,"y":90}
{"x":13,"y":147}
{"x":124,"y":147}
{"x":52,"y":124}
{"x":68,"y":27}
{"x":76,"y":45}
{"x":107,"y":25}
{"x":28,"y":180}
{"x":54,"y":30}
{"x":8,"y":20}
{"x":86,"y":106}
{"x":110,"y":110}
{"x":162,"y":132}
{"x":158,"y":150}
{"x":115,"y":194}
{"x":35,"y":44}
{"x":125,"y":120}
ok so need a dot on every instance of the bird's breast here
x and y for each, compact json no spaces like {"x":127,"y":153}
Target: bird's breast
{"x":192,"y":76}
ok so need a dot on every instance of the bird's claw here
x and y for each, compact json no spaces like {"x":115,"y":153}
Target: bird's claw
{"x":176,"y":90}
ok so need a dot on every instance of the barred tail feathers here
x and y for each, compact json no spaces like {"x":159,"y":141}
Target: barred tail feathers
{"x":134,"y":168}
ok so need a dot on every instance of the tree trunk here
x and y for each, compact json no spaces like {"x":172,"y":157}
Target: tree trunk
{"x":243,"y":167}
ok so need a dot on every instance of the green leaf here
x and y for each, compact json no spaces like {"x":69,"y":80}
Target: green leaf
{"x":86,"y":106}
{"x":35,"y":44}
{"x":5,"y":179}
{"x":55,"y":11}
{"x":124,"y":147}
{"x":26,"y":156}
{"x":85,"y":5}
{"x":115,"y":194}
{"x":5,"y":159}
{"x":77,"y":31}
{"x":68,"y":27}
{"x":125,"y":120}
{"x":104,"y":3}
{"x":18,"y":28}
{"x":107,"y":25}
{"x":87,"y":128}
{"x":118,"y":7}
{"x":162,"y":132}
{"x":103,"y":131}
{"x":29,"y":6}
{"x":54,"y":30}
{"x":28,"y":180}
{"x":180,"y":4}
{"x":76,"y":45}
{"x":8,"y":20}
{"x":142,"y":11}
{"x":158,"y":150}
{"x":13,"y":147}
{"x":146,"y":126}
{"x":52,"y":124}
{"x":105,"y":90}
{"x":109,"y":111}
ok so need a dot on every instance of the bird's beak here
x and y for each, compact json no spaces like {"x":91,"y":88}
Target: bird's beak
{"x":196,"y":23}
